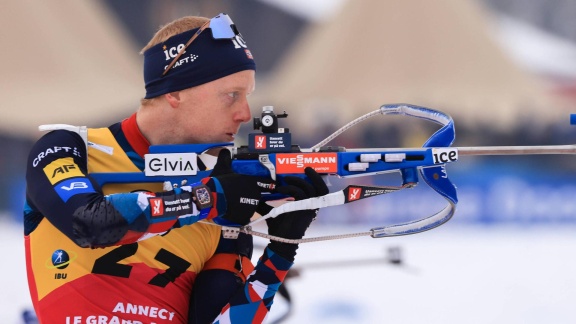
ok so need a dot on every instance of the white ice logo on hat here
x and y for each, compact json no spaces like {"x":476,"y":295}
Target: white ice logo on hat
{"x":173,"y":51}
{"x":239,"y":42}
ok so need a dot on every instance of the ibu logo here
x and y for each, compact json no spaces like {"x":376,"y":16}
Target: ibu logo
{"x":60,"y":259}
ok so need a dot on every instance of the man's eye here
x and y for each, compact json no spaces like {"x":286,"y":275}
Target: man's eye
{"x":233,"y":95}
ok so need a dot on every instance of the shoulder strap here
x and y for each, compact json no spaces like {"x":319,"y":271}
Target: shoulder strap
{"x":80,"y":130}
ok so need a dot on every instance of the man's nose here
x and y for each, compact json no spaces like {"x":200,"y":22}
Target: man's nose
{"x":243,"y":114}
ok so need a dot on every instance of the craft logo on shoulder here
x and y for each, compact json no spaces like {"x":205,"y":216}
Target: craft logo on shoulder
{"x":52,"y":150}
{"x":297,"y":162}
{"x":156,"y":206}
{"x":61,"y":169}
{"x":260,"y":142}
{"x":354,"y":193}
{"x":444,"y":155}
{"x":170,"y":164}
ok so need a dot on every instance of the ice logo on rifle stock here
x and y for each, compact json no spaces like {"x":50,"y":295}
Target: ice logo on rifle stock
{"x":444,"y":155}
{"x":171,"y":164}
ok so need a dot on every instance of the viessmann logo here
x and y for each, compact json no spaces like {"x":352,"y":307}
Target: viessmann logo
{"x":296,"y":162}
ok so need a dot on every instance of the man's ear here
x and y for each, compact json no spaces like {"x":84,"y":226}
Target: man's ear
{"x":173,"y":98}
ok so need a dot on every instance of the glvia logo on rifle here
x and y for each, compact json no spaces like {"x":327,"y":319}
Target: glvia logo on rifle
{"x":171,"y":164}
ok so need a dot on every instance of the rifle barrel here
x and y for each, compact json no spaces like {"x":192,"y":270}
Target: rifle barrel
{"x":489,"y":150}
{"x":516,"y":150}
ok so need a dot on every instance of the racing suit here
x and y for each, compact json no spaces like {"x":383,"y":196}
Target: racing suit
{"x":110,"y":255}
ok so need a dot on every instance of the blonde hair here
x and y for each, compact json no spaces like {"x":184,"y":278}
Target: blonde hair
{"x":175,"y":27}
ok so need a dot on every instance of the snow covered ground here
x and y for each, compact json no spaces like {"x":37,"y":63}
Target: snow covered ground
{"x":14,"y":295}
{"x":449,"y":275}
{"x":453,"y":274}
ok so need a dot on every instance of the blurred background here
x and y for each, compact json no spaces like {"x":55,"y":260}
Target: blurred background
{"x":505,"y":70}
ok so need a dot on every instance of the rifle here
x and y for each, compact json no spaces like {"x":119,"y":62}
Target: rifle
{"x":271,"y":153}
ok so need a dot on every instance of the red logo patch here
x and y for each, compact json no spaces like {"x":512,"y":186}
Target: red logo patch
{"x":260,"y":142}
{"x":354,"y":193}
{"x":156,"y":206}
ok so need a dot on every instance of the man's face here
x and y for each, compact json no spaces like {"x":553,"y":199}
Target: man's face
{"x":213,"y":112}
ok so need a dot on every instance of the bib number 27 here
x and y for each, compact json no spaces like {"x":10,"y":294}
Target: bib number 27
{"x":108,"y":264}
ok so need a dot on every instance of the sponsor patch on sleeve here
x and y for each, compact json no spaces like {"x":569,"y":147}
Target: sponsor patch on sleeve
{"x":170,"y":206}
{"x":71,"y":187}
{"x":62,"y":169}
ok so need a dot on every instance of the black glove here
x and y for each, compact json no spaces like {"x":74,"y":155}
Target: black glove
{"x":293,"y":225}
{"x":238,"y":196}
